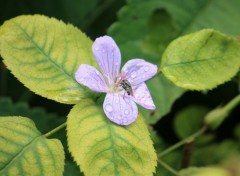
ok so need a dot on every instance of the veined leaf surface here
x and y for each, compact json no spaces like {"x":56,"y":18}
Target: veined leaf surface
{"x":24,"y":151}
{"x":201,"y":60}
{"x":44,"y":54}
{"x":102,"y":148}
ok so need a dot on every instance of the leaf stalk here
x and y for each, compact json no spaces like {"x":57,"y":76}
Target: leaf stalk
{"x":55,"y":129}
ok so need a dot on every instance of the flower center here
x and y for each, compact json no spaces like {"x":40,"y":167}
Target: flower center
{"x":122,"y":84}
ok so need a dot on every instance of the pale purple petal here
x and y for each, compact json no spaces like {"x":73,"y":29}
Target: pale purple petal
{"x":143,"y":97}
{"x":120,"y":108}
{"x":137,"y":71}
{"x":91,"y":77}
{"x":108,"y":57}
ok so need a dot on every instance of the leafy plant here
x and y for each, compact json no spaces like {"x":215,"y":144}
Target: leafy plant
{"x":182,"y":38}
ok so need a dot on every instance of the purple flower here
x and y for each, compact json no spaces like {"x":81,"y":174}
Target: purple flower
{"x":124,"y":89}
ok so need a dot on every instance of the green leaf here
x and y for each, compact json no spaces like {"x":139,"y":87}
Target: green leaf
{"x":216,"y":117}
{"x":95,"y":142}
{"x":24,"y":151}
{"x":44,"y":54}
{"x":204,"y":171}
{"x":197,"y":61}
{"x":189,"y":120}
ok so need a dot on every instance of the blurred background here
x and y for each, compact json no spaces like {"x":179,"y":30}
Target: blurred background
{"x":147,"y":27}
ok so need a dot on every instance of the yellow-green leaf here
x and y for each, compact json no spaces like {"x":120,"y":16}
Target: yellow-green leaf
{"x":44,"y":54}
{"x":24,"y":151}
{"x":201,"y":60}
{"x":101,"y":147}
{"x":204,"y":171}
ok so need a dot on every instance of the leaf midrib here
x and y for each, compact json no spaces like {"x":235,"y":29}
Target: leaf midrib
{"x":24,"y":148}
{"x":43,"y":53}
{"x":193,"y":61}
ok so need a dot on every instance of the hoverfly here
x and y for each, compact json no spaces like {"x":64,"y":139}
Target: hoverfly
{"x":127,"y":86}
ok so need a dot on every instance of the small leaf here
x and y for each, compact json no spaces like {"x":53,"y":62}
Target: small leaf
{"x":215,"y":117}
{"x":24,"y":151}
{"x":101,"y":147}
{"x":201,"y":60}
{"x":44,"y":54}
{"x":204,"y":171}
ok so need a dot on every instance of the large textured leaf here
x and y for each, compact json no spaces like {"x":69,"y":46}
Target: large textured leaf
{"x":103,"y":148}
{"x":24,"y":151}
{"x":44,"y":53}
{"x":201,"y":60}
{"x":148,"y":26}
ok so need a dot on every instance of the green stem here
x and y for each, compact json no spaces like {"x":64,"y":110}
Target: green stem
{"x":158,"y":73}
{"x":182,"y":142}
{"x":232,"y":104}
{"x":167,"y":167}
{"x":55,"y":130}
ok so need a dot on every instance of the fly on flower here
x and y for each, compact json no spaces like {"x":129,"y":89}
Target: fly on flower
{"x":127,"y":86}
{"x":124,"y":89}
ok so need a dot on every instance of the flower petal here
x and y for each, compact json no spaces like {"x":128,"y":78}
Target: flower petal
{"x":108,"y":57}
{"x":137,"y":71}
{"x":143,"y":97}
{"x":120,"y":108}
{"x":91,"y":77}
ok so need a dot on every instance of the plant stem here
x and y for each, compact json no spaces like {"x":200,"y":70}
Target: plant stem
{"x":158,"y":73}
{"x":230,"y":105}
{"x":55,"y":130}
{"x":167,"y":167}
{"x":182,"y":142}
{"x":187,"y":154}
